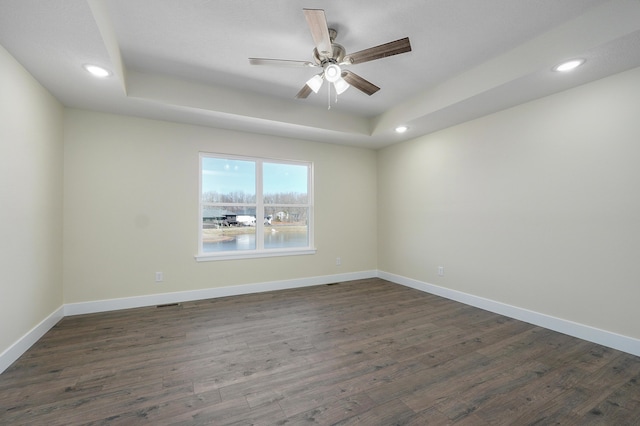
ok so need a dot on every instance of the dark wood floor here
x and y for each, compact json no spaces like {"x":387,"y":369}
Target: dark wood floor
{"x":364,"y":352}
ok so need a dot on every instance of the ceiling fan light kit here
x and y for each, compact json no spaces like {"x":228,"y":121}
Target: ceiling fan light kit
{"x":330,"y":56}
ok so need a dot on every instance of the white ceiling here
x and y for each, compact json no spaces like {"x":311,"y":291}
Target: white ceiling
{"x":187,"y":60}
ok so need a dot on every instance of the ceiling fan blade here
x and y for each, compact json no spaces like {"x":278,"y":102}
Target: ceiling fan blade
{"x":281,"y":62}
{"x":378,"y":52}
{"x":317,"y":22}
{"x":360,"y":83}
{"x":304,"y":92}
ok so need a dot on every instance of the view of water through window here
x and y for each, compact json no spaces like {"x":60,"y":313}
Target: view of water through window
{"x":272,"y":239}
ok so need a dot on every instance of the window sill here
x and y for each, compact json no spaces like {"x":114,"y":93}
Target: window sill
{"x":212,"y":257}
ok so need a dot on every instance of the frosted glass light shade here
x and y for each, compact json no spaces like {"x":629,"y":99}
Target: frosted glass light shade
{"x":332,"y":73}
{"x":341,"y":85}
{"x":315,"y":83}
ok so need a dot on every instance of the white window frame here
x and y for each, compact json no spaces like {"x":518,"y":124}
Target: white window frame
{"x":260,"y":251}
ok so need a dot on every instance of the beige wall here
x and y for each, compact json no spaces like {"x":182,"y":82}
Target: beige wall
{"x":537,"y":206}
{"x":31,"y":141}
{"x":131,"y":208}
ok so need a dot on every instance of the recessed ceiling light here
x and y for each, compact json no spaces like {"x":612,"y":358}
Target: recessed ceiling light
{"x":569,"y":65}
{"x":97,"y":71}
{"x":401,"y":129}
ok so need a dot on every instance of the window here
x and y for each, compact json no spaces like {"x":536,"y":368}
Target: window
{"x":254,"y":207}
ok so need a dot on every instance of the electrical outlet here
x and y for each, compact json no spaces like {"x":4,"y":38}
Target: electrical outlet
{"x":159,"y":277}
{"x":441,"y":271}
{"x":338,"y":261}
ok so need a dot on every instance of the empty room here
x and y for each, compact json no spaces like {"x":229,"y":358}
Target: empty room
{"x":338,"y":213}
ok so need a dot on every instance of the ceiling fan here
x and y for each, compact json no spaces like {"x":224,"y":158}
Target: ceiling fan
{"x":331,"y":56}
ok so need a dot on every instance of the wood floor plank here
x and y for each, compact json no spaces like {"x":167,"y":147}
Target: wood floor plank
{"x":338,"y":411}
{"x":393,"y":412}
{"x":362,"y":352}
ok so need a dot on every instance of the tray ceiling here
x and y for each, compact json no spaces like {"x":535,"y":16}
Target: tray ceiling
{"x":187,"y":60}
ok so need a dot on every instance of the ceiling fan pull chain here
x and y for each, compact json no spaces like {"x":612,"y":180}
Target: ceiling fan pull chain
{"x":329,"y":96}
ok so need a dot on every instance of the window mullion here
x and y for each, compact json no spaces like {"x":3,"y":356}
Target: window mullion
{"x":259,"y":207}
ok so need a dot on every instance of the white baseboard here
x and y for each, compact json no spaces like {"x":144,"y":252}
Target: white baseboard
{"x":581,"y":331}
{"x":602,"y":337}
{"x":208,"y":293}
{"x":13,"y":352}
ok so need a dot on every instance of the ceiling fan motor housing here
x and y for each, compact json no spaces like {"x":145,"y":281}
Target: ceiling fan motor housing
{"x":337,"y":52}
